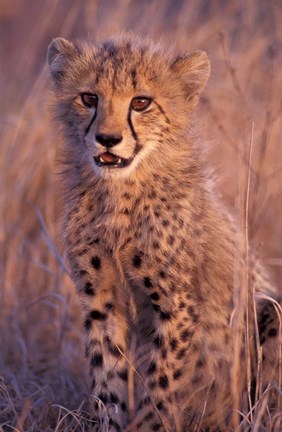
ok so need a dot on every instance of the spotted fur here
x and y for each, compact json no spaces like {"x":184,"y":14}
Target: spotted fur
{"x":152,"y":251}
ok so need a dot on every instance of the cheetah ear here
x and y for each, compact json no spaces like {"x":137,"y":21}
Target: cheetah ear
{"x":60,"y":52}
{"x":194,"y":71}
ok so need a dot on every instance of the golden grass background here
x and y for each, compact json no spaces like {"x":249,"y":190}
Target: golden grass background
{"x":41,"y":342}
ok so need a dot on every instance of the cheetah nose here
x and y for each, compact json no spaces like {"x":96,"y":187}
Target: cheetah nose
{"x":108,"y":140}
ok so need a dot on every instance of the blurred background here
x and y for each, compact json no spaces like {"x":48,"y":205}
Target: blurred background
{"x":41,"y":343}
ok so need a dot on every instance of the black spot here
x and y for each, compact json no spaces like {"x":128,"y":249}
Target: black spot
{"x":97,"y":315}
{"x":103,"y":397}
{"x":148,"y":282}
{"x":87,"y":324}
{"x":114,"y":398}
{"x":146,"y":400}
{"x":177,"y":374}
{"x":165,"y":315}
{"x":109,"y":306}
{"x":156,"y":307}
{"x":154,"y":296}
{"x":125,"y":211}
{"x":160,"y":406}
{"x":272,"y":332}
{"x":180,"y":325}
{"x":126,"y":195}
{"x":96,"y":262}
{"x":137,"y":261}
{"x":88,"y":288}
{"x":123,"y":374}
{"x":156,"y":245}
{"x":165,"y":222}
{"x":193,"y":314}
{"x":97,"y":360}
{"x":113,"y":349}
{"x":152,"y":368}
{"x":173,"y":344}
{"x":262,"y":328}
{"x":196,"y":379}
{"x":163,"y":381}
{"x":147,"y":219}
{"x":152,"y":384}
{"x":200,"y":363}
{"x":184,"y":335}
{"x":130,"y":182}
{"x":83,"y":272}
{"x":261,"y":339}
{"x":159,"y":341}
{"x":156,"y":427}
{"x":110,"y":375}
{"x":181,"y":223}
{"x":264,"y":318}
{"x":149,"y":416}
{"x":170,"y":240}
{"x":181,"y":353}
{"x":123,"y":406}
{"x":152,"y":195}
{"x":162,"y":274}
{"x":115,"y":425}
{"x":95,"y":241}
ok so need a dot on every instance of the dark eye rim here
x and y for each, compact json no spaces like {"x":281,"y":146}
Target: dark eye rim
{"x":87,"y":104}
{"x":147,"y":98}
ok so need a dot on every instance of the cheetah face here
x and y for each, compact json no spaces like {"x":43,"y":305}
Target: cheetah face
{"x":113,"y":145}
{"x":113,"y":137}
{"x":123,"y":105}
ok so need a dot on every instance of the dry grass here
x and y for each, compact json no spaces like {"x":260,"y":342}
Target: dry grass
{"x":41,"y":356}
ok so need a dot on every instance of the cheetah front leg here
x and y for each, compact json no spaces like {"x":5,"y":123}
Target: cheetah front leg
{"x":172,"y":332}
{"x":159,"y":408}
{"x":98,"y":286}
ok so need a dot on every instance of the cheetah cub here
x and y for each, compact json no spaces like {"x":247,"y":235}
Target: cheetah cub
{"x":153,"y":254}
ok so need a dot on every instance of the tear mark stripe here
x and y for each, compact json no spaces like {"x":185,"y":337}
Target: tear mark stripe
{"x":132,"y":130}
{"x":91,"y":122}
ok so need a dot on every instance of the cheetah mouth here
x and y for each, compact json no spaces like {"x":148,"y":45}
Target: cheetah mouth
{"x":110,"y":160}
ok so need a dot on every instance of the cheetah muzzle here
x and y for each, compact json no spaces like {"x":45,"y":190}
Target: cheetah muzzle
{"x":110,"y":160}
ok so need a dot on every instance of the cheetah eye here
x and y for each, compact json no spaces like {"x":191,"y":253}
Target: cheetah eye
{"x":140,"y":103}
{"x":89,"y":100}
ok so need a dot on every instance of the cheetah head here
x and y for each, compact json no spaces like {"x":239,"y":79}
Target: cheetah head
{"x":124,"y":103}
